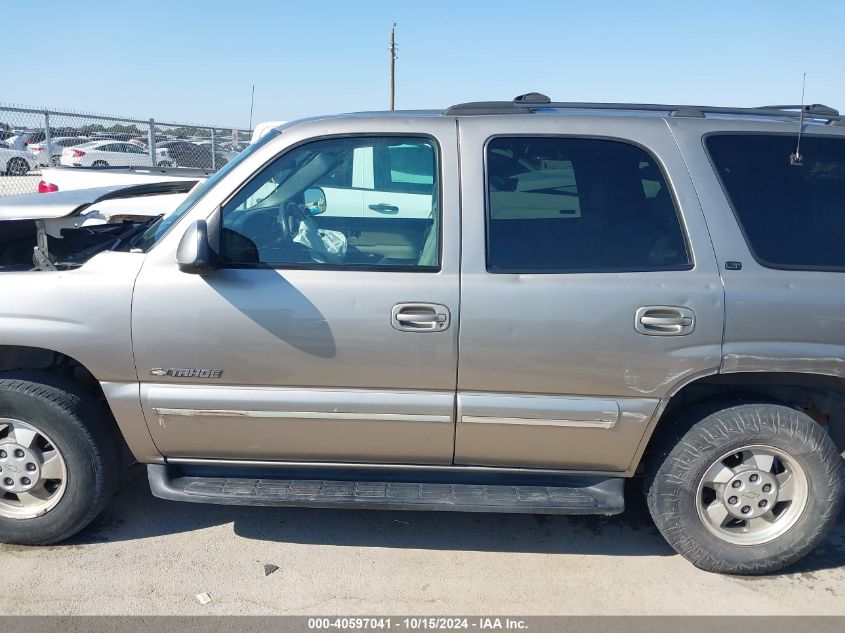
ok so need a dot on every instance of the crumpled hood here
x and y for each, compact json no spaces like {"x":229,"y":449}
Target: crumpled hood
{"x":146,"y":199}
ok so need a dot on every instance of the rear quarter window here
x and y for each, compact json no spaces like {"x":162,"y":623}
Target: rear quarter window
{"x":792,"y":216}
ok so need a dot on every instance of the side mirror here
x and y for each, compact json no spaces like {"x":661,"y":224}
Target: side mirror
{"x":315,"y":201}
{"x":195,"y":254}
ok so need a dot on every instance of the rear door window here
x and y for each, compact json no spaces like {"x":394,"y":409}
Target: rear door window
{"x":564,"y":205}
{"x":792,"y":216}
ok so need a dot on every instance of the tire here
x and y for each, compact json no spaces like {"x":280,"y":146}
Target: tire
{"x":99,"y":163}
{"x":165,"y":163}
{"x":81,"y":432}
{"x":17,"y":167}
{"x":685,"y":506}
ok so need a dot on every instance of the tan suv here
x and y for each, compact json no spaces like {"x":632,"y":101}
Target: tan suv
{"x":499,"y":307}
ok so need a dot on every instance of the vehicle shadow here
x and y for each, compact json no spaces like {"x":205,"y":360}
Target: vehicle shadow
{"x":280,"y":309}
{"x":136,"y":514}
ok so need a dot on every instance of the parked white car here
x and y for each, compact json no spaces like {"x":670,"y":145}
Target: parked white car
{"x":112,"y":153}
{"x":57,"y":145}
{"x":70,"y":178}
{"x":16,"y":162}
{"x":17,"y":141}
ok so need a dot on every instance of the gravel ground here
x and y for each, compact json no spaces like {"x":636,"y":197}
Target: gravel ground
{"x":148,"y":556}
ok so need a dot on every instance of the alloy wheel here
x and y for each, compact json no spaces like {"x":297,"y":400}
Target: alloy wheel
{"x":33,"y":473}
{"x":752,"y":495}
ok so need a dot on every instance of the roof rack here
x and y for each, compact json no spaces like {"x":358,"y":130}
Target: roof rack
{"x":534,"y":101}
{"x":813,"y":109}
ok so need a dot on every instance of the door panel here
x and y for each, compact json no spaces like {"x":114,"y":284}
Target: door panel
{"x":552,"y":353}
{"x":312,"y":424}
{"x":542,"y":431}
{"x":294,"y":335}
{"x":310,"y":367}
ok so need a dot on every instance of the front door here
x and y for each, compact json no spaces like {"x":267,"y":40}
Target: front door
{"x":589,"y":289}
{"x":326,"y":334}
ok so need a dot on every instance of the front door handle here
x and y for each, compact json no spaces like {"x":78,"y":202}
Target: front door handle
{"x":664,"y":321}
{"x":420,"y":317}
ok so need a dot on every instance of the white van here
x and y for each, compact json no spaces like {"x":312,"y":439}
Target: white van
{"x":262,"y":128}
{"x":403,"y":189}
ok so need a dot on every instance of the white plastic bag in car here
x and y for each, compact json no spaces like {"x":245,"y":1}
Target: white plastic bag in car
{"x":332,"y":244}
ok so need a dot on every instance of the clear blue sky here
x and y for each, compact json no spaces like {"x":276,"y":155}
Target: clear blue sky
{"x":195,"y":60}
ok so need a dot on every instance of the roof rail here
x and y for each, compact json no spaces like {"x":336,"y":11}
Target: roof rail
{"x":812,"y":108}
{"x":534,"y":101}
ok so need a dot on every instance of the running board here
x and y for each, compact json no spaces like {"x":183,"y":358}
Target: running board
{"x":583,"y":496}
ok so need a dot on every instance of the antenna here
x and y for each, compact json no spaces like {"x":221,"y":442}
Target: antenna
{"x":796,"y":159}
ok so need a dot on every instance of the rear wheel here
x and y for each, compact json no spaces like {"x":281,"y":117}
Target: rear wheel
{"x":748,"y":489}
{"x":99,"y":163}
{"x":17,"y":167}
{"x":59,"y":458}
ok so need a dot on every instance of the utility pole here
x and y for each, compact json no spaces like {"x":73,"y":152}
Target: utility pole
{"x":393,"y":66}
{"x":251,"y":103}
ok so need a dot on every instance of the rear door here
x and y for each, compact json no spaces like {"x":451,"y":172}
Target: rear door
{"x":589,"y":288}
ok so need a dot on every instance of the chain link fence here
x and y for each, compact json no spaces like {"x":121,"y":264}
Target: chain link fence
{"x":32,"y":139}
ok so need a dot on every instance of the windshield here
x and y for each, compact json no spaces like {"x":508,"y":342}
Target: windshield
{"x":157,"y":230}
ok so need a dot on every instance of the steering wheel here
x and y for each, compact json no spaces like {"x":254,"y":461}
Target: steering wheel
{"x":291,"y":211}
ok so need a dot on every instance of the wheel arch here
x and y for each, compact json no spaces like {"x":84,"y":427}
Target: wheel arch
{"x":121,"y":401}
{"x":16,"y":357}
{"x":822,"y":397}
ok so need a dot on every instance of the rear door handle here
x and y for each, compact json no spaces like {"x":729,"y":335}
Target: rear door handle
{"x":420,"y":317}
{"x":664,"y":321}
{"x":384,"y":208}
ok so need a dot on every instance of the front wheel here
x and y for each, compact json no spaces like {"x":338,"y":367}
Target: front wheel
{"x":748,"y":489}
{"x":59,"y":458}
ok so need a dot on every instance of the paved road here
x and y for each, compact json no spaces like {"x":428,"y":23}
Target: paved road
{"x":146,"y":556}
